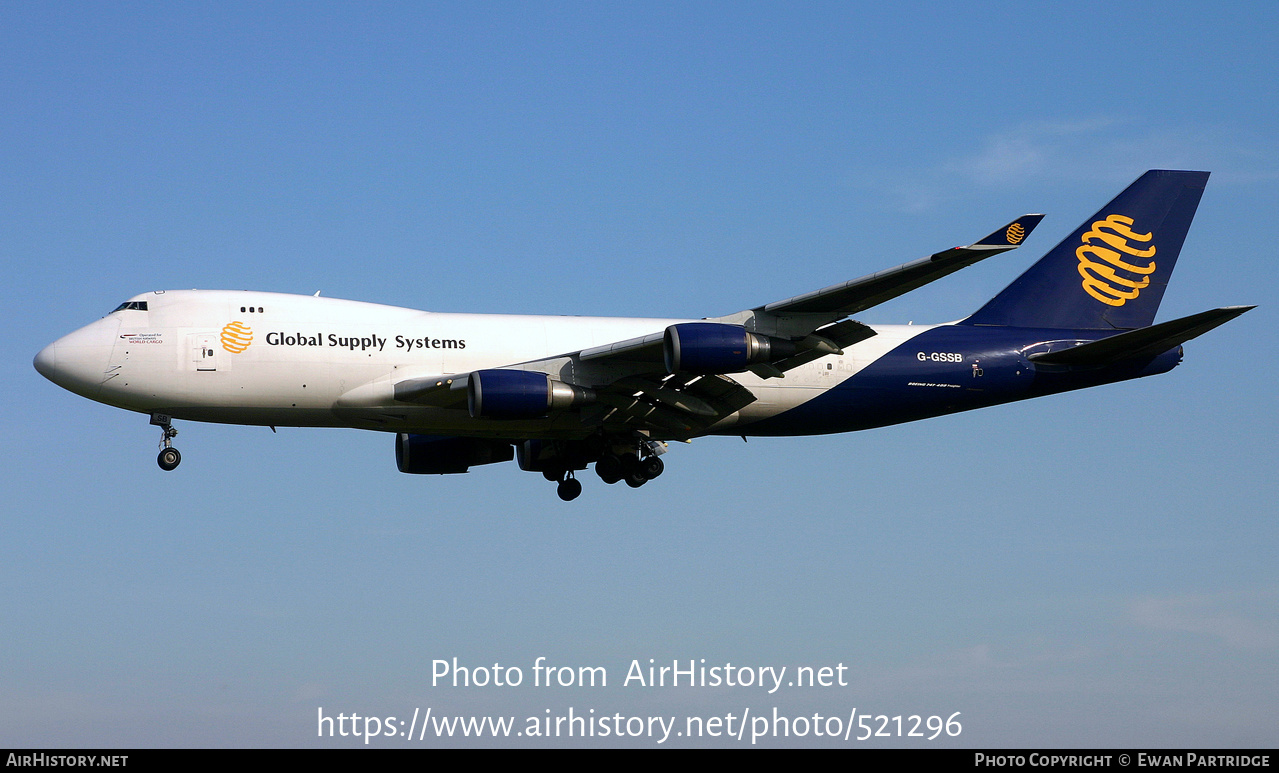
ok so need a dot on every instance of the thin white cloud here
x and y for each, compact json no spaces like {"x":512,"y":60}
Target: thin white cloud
{"x":1027,"y":150}
{"x":1096,"y":149}
{"x":1246,"y":621}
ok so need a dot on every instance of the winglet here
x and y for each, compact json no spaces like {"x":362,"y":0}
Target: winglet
{"x":1013,"y":234}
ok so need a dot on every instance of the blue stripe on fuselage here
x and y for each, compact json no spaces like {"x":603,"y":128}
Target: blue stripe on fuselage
{"x":948,"y":369}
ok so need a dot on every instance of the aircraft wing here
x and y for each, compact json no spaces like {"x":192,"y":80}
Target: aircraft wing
{"x":809,"y":315}
{"x":805,"y":313}
{"x":679,"y":405}
{"x":631,"y":384}
{"x":438,"y":391}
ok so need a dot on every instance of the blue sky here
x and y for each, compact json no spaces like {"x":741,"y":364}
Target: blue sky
{"x":1092,"y":569}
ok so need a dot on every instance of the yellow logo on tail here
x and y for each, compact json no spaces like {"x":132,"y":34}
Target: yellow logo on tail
{"x":1100,"y":260}
{"x":236,"y":337}
{"x":1015,"y":233}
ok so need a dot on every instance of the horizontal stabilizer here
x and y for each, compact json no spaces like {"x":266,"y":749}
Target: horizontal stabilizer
{"x":1144,"y":342}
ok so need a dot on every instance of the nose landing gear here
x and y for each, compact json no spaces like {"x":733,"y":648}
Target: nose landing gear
{"x":169,"y":457}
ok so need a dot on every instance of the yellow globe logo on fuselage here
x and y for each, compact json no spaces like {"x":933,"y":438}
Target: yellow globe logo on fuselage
{"x":236,"y":337}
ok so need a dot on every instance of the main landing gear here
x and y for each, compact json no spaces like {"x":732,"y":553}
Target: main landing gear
{"x":617,"y":458}
{"x":629,"y":467}
{"x":636,"y":464}
{"x":169,"y":457}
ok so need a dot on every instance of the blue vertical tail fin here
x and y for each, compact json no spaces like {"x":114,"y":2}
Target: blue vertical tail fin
{"x":1112,"y":271}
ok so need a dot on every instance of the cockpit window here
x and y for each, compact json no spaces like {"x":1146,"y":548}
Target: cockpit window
{"x":135,"y":305}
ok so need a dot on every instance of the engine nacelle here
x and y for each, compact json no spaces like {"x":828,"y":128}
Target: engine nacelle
{"x":520,"y":394}
{"x":441,"y":455}
{"x":711,"y":347}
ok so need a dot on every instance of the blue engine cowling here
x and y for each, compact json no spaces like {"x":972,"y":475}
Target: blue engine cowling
{"x":441,"y":455}
{"x":520,"y":394}
{"x":711,"y":347}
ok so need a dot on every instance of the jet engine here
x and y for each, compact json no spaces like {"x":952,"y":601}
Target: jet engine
{"x":710,"y":347}
{"x":520,"y":394}
{"x":441,"y":455}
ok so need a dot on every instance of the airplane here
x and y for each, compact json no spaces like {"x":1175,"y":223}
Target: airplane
{"x":563,"y":393}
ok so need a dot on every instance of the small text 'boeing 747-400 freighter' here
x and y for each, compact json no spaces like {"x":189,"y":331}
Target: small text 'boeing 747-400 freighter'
{"x":563,"y":393}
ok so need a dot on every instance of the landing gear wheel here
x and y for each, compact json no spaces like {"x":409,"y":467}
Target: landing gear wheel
{"x":169,"y":458}
{"x":569,"y":489}
{"x":633,"y":471}
{"x":652,"y":467}
{"x":609,"y":468}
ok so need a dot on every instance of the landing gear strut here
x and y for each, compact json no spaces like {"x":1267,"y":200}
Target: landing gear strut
{"x":169,"y":457}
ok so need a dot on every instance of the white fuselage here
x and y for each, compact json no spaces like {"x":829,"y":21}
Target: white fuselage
{"x":245,"y":357}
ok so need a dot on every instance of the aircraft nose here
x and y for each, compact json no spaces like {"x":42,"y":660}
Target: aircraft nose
{"x":46,"y":361}
{"x":78,"y":361}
